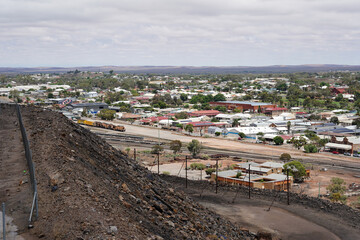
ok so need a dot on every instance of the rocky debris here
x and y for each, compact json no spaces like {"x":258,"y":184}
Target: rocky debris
{"x":343,"y":212}
{"x":102,"y":194}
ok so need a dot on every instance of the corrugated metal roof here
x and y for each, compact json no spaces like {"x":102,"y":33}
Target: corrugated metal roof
{"x":338,"y":146}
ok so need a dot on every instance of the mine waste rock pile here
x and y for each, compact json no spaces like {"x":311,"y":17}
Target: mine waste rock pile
{"x":89,"y":190}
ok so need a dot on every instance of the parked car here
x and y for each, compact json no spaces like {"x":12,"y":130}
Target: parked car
{"x":335,"y":152}
{"x":347,"y":154}
{"x":356,"y":155}
{"x":259,"y":141}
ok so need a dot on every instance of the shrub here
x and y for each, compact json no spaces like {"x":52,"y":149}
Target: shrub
{"x":238,"y":175}
{"x":197,"y":166}
{"x":232,"y":166}
{"x":166,"y":172}
{"x":310,"y":148}
{"x":209,"y":171}
{"x":241,"y":134}
{"x":285,"y":157}
{"x":217,"y":134}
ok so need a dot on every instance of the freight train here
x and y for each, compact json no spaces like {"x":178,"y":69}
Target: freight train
{"x":102,"y":125}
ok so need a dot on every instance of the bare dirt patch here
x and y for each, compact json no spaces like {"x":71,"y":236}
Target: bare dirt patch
{"x":15,"y":188}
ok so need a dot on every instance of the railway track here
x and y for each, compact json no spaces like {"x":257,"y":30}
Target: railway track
{"x":138,"y":141}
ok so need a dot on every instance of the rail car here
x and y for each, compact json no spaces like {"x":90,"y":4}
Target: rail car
{"x":102,"y":125}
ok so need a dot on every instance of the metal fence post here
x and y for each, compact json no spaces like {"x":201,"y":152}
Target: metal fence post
{"x":3,"y":220}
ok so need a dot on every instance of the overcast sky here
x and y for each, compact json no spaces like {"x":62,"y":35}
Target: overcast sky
{"x":178,"y":32}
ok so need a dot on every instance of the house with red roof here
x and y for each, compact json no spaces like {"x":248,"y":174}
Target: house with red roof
{"x":338,"y":90}
{"x":209,"y":113}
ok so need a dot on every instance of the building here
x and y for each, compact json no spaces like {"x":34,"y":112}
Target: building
{"x":92,"y":107}
{"x":209,"y":113}
{"x":244,"y":106}
{"x":237,"y":177}
{"x":275,"y":111}
{"x":265,"y":168}
{"x":340,"y":146}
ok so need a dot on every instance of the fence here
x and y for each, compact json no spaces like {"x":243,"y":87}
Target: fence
{"x":31,"y":166}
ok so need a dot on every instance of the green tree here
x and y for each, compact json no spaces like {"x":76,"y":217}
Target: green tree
{"x":219,"y":97}
{"x":281,"y":86}
{"x":235,"y":123}
{"x":356,"y":122}
{"x":310,"y":148}
{"x":241,"y":135}
{"x":175,"y":146}
{"x":278,"y":140}
{"x":285,"y":157}
{"x":288,"y":125}
{"x":296,"y":169}
{"x":181,"y":115}
{"x":299,"y":142}
{"x":189,"y":128}
{"x":106,"y":114}
{"x":194,"y":147}
{"x":50,"y":95}
{"x":337,"y":189}
{"x":157,"y":149}
{"x":221,"y":109}
{"x":334,"y":120}
{"x":184,"y":97}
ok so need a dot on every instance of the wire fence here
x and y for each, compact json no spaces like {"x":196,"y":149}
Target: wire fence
{"x":34,"y":208}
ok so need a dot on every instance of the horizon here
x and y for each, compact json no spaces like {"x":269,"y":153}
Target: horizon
{"x":194,"y":66}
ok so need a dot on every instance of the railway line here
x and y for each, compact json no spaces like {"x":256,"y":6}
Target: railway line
{"x":140,"y":141}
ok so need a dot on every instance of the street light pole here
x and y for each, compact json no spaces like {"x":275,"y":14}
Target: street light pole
{"x":249,"y":182}
{"x":288,"y":187}
{"x":158,"y":162}
{"x":217,"y":168}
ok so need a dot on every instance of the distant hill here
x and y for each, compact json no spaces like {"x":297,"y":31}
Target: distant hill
{"x":189,"y":69}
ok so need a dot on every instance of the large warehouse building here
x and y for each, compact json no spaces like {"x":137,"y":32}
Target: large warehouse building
{"x":243,"y":105}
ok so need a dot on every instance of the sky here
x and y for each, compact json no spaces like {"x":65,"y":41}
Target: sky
{"x":64,"y":33}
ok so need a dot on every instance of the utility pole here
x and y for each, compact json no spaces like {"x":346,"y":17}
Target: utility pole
{"x":135,"y":154}
{"x":158,"y":153}
{"x":217,"y":170}
{"x":319,"y":191}
{"x":288,"y":187}
{"x":249,"y":182}
{"x":186,"y":172}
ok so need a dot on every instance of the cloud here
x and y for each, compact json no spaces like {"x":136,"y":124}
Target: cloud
{"x":162,"y":32}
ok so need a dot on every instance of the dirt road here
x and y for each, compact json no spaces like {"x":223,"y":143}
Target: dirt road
{"x":294,"y":221}
{"x":15,"y":189}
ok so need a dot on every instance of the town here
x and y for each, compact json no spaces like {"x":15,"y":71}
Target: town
{"x":292,"y":114}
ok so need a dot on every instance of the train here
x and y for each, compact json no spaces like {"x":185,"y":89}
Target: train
{"x":102,"y":125}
